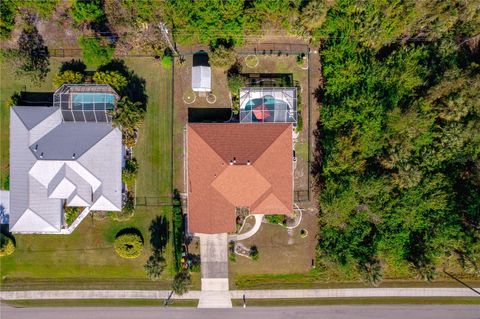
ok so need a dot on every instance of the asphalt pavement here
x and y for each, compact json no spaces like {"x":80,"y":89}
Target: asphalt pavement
{"x":317,"y":312}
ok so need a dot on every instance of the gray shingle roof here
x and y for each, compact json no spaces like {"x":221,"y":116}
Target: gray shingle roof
{"x":33,"y":115}
{"x":69,"y":140}
{"x":96,"y":168}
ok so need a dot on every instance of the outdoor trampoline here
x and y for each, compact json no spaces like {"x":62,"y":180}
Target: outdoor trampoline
{"x":273,"y":105}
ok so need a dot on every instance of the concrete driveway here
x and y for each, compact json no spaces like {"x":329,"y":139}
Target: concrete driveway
{"x":214,"y":258}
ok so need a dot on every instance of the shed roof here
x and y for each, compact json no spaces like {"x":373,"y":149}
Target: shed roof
{"x":201,"y":73}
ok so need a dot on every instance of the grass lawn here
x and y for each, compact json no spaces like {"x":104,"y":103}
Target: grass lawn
{"x":86,"y":259}
{"x":153,"y":150}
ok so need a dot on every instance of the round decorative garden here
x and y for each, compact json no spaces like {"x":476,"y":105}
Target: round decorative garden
{"x":211,"y":98}
{"x":251,"y":61}
{"x":189,"y":97}
{"x":128,"y":243}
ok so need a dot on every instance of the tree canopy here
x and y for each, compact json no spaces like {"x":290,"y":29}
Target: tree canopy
{"x":398,"y":139}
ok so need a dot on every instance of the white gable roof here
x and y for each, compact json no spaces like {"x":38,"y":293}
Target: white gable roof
{"x":201,"y":78}
{"x":32,"y":222}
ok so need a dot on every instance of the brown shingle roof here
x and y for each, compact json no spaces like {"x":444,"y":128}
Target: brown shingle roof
{"x":215,"y":187}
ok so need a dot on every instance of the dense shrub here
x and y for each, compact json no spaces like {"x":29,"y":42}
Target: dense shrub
{"x":128,"y":245}
{"x":276,"y":219}
{"x":178,"y":229}
{"x":15,"y":99}
{"x":235,"y":83}
{"x":7,"y":247}
{"x":7,"y":18}
{"x":129,"y":172}
{"x":71,"y":213}
{"x":254,"y":253}
{"x":222,"y":57}
{"x":128,"y":209}
{"x":85,"y":12}
{"x":67,"y":77}
{"x":117,"y":81}
{"x":94,"y":52}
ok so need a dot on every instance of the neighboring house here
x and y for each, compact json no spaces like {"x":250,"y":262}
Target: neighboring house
{"x":65,"y":155}
{"x":201,"y":73}
{"x":234,"y":165}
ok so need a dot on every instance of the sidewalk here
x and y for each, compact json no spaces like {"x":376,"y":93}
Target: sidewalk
{"x":238,"y":294}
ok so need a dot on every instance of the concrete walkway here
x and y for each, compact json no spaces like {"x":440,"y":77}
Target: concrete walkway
{"x":251,"y":232}
{"x":238,"y":294}
{"x":214,"y":265}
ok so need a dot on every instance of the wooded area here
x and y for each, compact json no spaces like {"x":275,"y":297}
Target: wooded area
{"x":399,"y":138}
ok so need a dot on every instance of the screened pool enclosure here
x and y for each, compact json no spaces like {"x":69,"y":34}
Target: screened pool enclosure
{"x":267,"y":104}
{"x":85,"y":102}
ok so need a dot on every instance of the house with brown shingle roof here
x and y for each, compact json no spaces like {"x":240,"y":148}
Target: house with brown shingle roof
{"x":237,"y":165}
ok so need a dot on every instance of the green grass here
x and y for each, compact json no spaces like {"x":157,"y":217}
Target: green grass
{"x":357,"y":301}
{"x":101,"y":303}
{"x":314,"y":280}
{"x":86,"y":258}
{"x":153,"y":150}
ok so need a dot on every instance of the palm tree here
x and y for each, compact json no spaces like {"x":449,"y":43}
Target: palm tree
{"x":128,"y":116}
{"x":181,"y":282}
{"x":154,"y":265}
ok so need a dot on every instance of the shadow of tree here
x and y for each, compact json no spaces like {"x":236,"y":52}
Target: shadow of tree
{"x":5,"y":230}
{"x":159,"y":233}
{"x":135,"y":89}
{"x":318,"y":156}
{"x":130,"y":230}
{"x":73,"y":65}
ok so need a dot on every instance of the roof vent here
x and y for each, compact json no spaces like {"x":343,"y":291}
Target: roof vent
{"x":231,"y":162}
{"x":234,"y":160}
{"x":73,"y":156}
{"x":36,"y":148}
{"x":248,"y":162}
{"x":41,"y":155}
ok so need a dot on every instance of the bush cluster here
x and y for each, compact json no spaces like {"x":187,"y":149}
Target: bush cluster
{"x":7,"y":247}
{"x":129,"y":245}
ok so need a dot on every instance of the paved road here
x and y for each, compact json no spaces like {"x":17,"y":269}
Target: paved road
{"x":318,"y":312}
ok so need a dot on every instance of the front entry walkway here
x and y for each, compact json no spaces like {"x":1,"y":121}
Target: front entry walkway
{"x":214,"y":259}
{"x":251,"y":232}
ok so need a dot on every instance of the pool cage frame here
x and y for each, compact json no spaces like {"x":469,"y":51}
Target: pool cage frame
{"x":78,"y":111}
{"x":286,"y":94}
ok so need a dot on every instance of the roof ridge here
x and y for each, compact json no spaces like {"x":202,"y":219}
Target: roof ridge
{"x":95,"y":144}
{"x":36,"y":214}
{"x":261,"y":156}
{"x":275,"y":198}
{"x":209,"y":146}
{"x":273,"y":142}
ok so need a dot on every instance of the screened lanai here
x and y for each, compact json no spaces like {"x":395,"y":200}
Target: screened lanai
{"x":266,"y":104}
{"x":85,"y":102}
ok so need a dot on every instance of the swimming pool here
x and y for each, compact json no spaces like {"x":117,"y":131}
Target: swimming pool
{"x":92,"y":101}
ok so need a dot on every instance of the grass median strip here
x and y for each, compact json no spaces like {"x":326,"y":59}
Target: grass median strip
{"x":101,"y":303}
{"x":356,"y":301}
